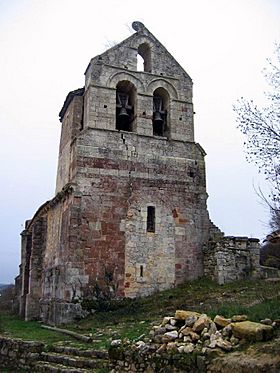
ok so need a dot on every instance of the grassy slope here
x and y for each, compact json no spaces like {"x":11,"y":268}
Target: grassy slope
{"x":258,"y":299}
{"x":31,"y":331}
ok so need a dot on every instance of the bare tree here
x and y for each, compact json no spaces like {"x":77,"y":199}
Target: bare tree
{"x":261,"y":126}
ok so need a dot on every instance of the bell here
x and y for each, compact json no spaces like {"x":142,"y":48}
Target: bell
{"x":157,"y":117}
{"x":123,"y":112}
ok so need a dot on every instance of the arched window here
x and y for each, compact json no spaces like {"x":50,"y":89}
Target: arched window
{"x":160,"y":112}
{"x":144,"y":51}
{"x":125,"y":106}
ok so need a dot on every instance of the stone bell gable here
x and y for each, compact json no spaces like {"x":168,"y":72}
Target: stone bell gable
{"x":130,"y":202}
{"x":161,"y":76}
{"x":157,"y":60}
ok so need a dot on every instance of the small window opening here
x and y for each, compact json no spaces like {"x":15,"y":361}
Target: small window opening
{"x":160,"y":112}
{"x":141,"y":271}
{"x":82,"y":118}
{"x":191,"y":173}
{"x":125,"y":97}
{"x":151,"y":218}
{"x":144,"y":58}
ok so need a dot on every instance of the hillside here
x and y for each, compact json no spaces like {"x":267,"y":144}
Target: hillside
{"x":132,"y":319}
{"x":3,"y":286}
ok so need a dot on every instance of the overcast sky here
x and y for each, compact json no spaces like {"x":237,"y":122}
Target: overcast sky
{"x":45,"y":47}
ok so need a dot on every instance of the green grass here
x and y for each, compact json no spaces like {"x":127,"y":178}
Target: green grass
{"x":201,"y":295}
{"x":257,"y":299}
{"x":269,"y":308}
{"x":15,"y":327}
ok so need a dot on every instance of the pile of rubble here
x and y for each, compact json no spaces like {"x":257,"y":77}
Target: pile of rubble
{"x":190,"y":331}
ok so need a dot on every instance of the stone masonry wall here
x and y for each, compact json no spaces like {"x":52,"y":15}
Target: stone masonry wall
{"x":101,"y":113}
{"x":63,"y":275}
{"x":35,"y":269}
{"x":19,"y":354}
{"x":52,"y":270}
{"x":26,"y":243}
{"x":118,"y":176}
{"x":125,"y":359}
{"x":231,"y":259}
{"x":120,"y":64}
{"x":71,"y":125}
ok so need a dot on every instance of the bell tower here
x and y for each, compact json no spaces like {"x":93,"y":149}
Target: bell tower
{"x":130,"y":196}
{"x":139,"y":175}
{"x":129,"y":216}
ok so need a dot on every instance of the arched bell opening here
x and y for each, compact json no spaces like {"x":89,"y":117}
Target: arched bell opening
{"x":144,"y":58}
{"x":140,"y":63}
{"x":160,"y":112}
{"x":125,"y":106}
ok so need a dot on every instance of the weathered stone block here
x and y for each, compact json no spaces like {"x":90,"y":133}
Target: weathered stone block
{"x":202,"y":322}
{"x":182,"y":315}
{"x":252,"y":331}
{"x":221,"y":321}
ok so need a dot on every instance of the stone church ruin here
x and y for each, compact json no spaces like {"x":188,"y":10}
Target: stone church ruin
{"x":130,"y":196}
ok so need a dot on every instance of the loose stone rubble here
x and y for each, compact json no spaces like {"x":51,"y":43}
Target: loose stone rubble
{"x":190,"y":334}
{"x":188,"y":331}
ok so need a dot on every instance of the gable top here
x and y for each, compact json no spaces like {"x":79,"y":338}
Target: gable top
{"x":124,"y":54}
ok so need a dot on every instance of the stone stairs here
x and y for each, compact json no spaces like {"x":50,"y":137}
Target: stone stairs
{"x":62,"y":359}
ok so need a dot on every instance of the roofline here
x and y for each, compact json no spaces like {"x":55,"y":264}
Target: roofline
{"x":69,"y":98}
{"x":66,"y":190}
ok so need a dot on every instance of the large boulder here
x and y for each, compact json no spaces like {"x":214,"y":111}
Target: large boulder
{"x":252,"y":331}
{"x":183,"y":315}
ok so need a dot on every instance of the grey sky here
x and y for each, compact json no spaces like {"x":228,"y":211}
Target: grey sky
{"x":46,"y":46}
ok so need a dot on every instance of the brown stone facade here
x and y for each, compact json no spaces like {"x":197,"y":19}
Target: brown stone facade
{"x":130,"y":193}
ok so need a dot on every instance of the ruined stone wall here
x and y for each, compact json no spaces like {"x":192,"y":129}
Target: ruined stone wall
{"x":125,"y":359}
{"x":19,"y":354}
{"x":231,"y":259}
